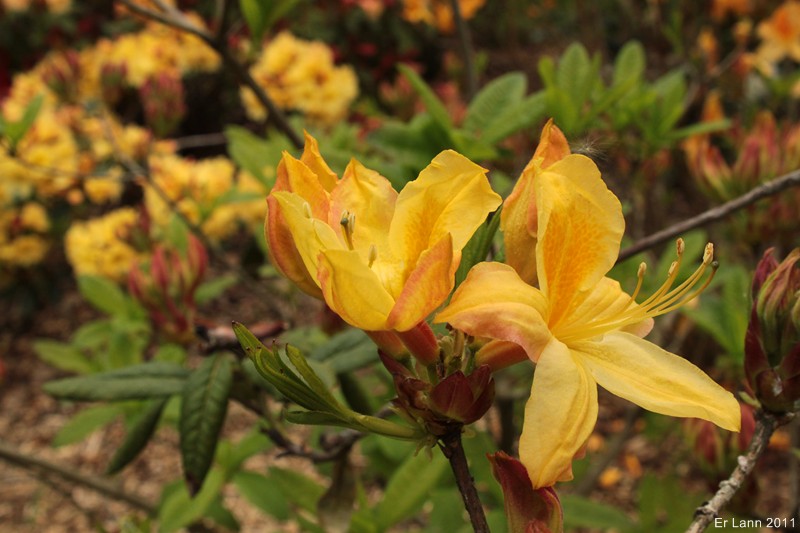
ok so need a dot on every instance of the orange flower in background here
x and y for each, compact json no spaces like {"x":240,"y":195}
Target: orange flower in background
{"x":780,"y":35}
{"x":381,"y":260}
{"x":439,"y":13}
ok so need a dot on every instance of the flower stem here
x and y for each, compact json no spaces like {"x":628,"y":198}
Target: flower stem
{"x":452,"y":448}
{"x":766,"y":423}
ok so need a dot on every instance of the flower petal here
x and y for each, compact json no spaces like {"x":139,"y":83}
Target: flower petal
{"x":494,"y":302}
{"x":311,"y":236}
{"x":314,"y":161}
{"x":353,"y":290}
{"x":518,"y":221}
{"x":559,"y":416}
{"x":451,"y":195}
{"x":659,"y":381}
{"x":295,"y":176}
{"x":283,"y":252}
{"x":427,"y":287}
{"x":370,"y":197}
{"x":552,"y":148}
{"x":580,"y":229}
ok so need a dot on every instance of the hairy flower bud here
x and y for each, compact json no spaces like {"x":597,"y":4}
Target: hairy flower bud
{"x":772,"y":344}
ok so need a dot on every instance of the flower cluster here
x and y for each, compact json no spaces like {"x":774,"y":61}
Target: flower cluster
{"x":104,"y":246}
{"x":385,"y":261}
{"x":301,"y":76}
{"x":57,"y":7}
{"x":439,"y":13}
{"x":23,"y":239}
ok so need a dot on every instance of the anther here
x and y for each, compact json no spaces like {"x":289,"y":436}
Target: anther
{"x":307,"y":210}
{"x":708,"y":254}
{"x":348,"y":223}
{"x":373,"y":255}
{"x":680,"y":246}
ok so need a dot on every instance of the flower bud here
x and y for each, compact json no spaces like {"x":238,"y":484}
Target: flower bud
{"x":527,"y":510}
{"x":163,"y":103}
{"x":772,"y":343}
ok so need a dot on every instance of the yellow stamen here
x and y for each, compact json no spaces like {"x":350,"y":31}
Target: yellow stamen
{"x":664,"y":300}
{"x":373,"y":255}
{"x":348,"y":222}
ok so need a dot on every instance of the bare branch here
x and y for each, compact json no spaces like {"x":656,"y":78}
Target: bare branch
{"x":771,"y":188}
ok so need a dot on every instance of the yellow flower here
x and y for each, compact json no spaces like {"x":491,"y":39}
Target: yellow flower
{"x":780,"y":34}
{"x":579,"y":327}
{"x":381,"y":260}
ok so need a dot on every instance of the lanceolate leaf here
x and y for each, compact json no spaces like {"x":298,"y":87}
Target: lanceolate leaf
{"x":138,"y":436}
{"x":499,"y":94}
{"x":138,"y":382}
{"x":409,"y":488}
{"x":205,"y":402}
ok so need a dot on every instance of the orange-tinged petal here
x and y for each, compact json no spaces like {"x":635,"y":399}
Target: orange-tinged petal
{"x":659,"y":381}
{"x":427,"y":287}
{"x":559,"y":416}
{"x":311,"y":236}
{"x":313,"y":160}
{"x":282,"y":250}
{"x":553,"y":146}
{"x":371,"y":198}
{"x":580,"y":229}
{"x":500,"y":354}
{"x":494,"y":302}
{"x":295,"y":176}
{"x":353,"y":291}
{"x":518,"y":220}
{"x":451,"y":195}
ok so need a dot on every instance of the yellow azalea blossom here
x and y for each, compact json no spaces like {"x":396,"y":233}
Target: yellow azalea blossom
{"x":579,"y":327}
{"x":381,"y":260}
{"x":780,"y":34}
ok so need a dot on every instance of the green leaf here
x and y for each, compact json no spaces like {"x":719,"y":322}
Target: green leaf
{"x":263,"y":492}
{"x":255,"y":15}
{"x":478,"y":246}
{"x":498,"y":95}
{"x":576,"y":75}
{"x":139,"y":434}
{"x":432,"y":103}
{"x":516,"y":117}
{"x":253,"y":153}
{"x":138,"y":382}
{"x":629,"y":64}
{"x":298,"y":488}
{"x":409,"y":488}
{"x":203,"y":409}
{"x":64,"y":356}
{"x":92,"y":336}
{"x":104,"y":295}
{"x":582,"y":512}
{"x":170,"y":353}
{"x":214,"y":288}
{"x":700,"y":128}
{"x":178,"y":509}
{"x":15,"y":131}
{"x":85,"y":423}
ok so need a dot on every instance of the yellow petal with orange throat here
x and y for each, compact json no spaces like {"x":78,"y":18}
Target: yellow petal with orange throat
{"x":553,"y":146}
{"x":283,"y":252}
{"x":427,"y":287}
{"x":451,"y":195}
{"x":580,"y":230}
{"x":494,"y":302}
{"x":560,"y":415}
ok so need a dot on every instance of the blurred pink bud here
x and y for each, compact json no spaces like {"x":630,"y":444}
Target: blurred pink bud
{"x":163,"y":102}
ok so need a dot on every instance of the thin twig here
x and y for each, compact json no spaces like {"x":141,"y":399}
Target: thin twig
{"x":766,"y":423}
{"x":773,"y":187}
{"x":453,"y":449}
{"x":467,"y":53}
{"x":102,"y":486}
{"x":175,"y":19}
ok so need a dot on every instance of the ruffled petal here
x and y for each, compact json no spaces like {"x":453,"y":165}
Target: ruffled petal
{"x":282,"y":250}
{"x":559,"y":416}
{"x":353,"y":290}
{"x":451,"y":195}
{"x":580,"y":229}
{"x":313,"y":159}
{"x":371,"y":198}
{"x":311,"y":236}
{"x":427,"y":287}
{"x":494,"y":302}
{"x":295,"y":176}
{"x":659,"y":381}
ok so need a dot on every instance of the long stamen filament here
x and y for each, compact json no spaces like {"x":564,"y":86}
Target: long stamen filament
{"x":664,"y":300}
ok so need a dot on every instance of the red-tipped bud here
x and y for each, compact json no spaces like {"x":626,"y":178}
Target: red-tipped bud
{"x":772,"y":343}
{"x":163,"y":102}
{"x":62,"y":75}
{"x":112,"y":82}
{"x":527,"y":510}
{"x":464,"y":398}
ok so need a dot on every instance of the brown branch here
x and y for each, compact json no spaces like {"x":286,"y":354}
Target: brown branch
{"x":773,"y":187}
{"x":453,"y":449}
{"x":467,"y":53}
{"x":102,"y":486}
{"x":175,"y":19}
{"x":766,"y":423}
